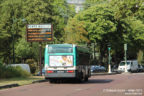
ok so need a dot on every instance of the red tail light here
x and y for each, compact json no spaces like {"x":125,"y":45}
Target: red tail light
{"x":49,"y":71}
{"x":70,"y":71}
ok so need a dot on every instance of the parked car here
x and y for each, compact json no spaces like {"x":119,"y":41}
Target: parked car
{"x":131,"y":66}
{"x":96,"y":68}
{"x":92,"y":69}
{"x":100,"y":69}
{"x":43,"y":72}
{"x":115,"y":69}
{"x":25,"y":67}
{"x":140,"y":68}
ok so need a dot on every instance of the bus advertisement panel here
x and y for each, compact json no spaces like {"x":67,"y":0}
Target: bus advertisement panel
{"x":63,"y":60}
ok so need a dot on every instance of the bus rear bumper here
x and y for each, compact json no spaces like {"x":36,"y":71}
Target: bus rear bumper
{"x":60,"y":75}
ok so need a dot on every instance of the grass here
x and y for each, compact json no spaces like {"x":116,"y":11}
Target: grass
{"x":20,"y":81}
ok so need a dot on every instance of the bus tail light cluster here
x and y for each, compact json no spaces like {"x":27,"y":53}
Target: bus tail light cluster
{"x":49,"y":71}
{"x":70,"y":71}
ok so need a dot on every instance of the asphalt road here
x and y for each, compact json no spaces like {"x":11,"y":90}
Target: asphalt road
{"x":101,"y":85}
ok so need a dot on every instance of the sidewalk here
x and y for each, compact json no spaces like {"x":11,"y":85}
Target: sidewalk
{"x":15,"y":82}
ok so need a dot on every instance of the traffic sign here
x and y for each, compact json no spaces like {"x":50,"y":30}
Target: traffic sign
{"x":125,"y":46}
{"x":39,"y":32}
{"x":109,"y":48}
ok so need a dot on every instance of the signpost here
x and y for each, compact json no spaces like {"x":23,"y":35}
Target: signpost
{"x":125,"y":49}
{"x":109,"y":59}
{"x":39,"y":33}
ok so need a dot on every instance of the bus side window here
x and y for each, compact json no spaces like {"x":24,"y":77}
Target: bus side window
{"x":84,"y":58}
{"x":131,"y":63}
{"x":77,"y":56}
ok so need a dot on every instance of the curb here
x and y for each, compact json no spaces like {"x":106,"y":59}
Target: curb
{"x":9,"y":86}
{"x":39,"y":81}
{"x":16,"y":85}
{"x":114,"y":73}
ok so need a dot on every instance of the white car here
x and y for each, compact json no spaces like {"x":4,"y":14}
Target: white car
{"x":25,"y":67}
{"x":131,"y":66}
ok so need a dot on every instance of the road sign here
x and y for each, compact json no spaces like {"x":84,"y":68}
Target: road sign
{"x":125,"y":46}
{"x":109,"y":48}
{"x":39,"y":32}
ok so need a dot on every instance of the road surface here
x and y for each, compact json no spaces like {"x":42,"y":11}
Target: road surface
{"x":100,"y":85}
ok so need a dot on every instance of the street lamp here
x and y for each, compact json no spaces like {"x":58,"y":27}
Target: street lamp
{"x":109,"y":59}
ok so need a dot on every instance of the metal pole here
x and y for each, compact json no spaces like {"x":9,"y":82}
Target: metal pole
{"x":40,"y":53}
{"x":125,"y":49}
{"x":94,"y":51}
{"x":109,"y":63}
{"x":126,"y":62}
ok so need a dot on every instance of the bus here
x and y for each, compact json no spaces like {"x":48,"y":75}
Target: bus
{"x":63,"y":61}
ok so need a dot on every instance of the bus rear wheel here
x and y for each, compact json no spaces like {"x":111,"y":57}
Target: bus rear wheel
{"x":86,"y":79}
{"x":52,"y":80}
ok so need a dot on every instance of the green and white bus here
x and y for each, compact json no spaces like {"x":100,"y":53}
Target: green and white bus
{"x":66,"y":61}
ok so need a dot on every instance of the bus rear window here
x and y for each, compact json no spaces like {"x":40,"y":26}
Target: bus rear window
{"x":60,"y":49}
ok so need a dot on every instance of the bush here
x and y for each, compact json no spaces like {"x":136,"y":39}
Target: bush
{"x":10,"y":72}
{"x":32,"y":64}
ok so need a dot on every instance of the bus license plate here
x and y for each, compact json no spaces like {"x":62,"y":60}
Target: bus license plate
{"x":60,"y":71}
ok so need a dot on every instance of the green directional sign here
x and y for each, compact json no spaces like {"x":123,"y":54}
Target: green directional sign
{"x":109,"y":48}
{"x":125,"y":46}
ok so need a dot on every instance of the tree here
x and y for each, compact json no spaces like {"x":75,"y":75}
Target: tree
{"x":100,"y":25}
{"x":140,"y":57}
{"x":16,"y":13}
{"x":114,"y":22}
{"x":128,"y":14}
{"x":75,"y":32}
{"x":23,"y":50}
{"x":8,"y":26}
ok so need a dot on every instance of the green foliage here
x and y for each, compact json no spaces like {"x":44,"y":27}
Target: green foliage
{"x":103,"y":21}
{"x":23,"y":49}
{"x":9,"y":26}
{"x":15,"y":14}
{"x":32,"y":64}
{"x":99,"y":20}
{"x":127,"y":8}
{"x":137,"y":29}
{"x":96,"y":21}
{"x":75,"y":32}
{"x":140,"y":56}
{"x":10,"y":72}
{"x":112,"y":22}
{"x":90,"y":3}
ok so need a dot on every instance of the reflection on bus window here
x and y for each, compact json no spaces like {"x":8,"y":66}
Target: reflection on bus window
{"x":60,"y":49}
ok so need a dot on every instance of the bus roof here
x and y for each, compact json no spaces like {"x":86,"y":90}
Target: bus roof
{"x":60,"y":45}
{"x":83,"y":49}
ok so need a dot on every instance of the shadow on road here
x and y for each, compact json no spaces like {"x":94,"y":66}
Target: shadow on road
{"x":100,"y":81}
{"x":90,"y":81}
